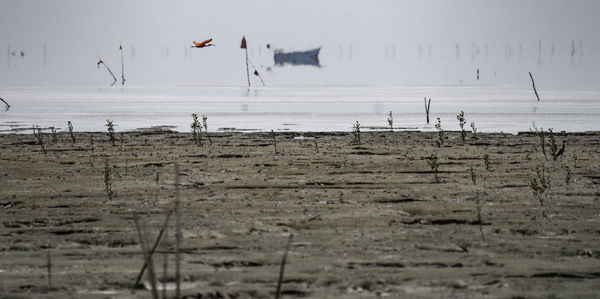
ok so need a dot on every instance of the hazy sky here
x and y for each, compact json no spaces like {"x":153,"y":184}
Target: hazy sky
{"x":363,"y":42}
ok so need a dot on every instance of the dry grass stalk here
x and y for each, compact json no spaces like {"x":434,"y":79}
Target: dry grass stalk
{"x":177,"y":236}
{"x":282,"y":268}
{"x":147,"y":257}
{"x":160,"y":234}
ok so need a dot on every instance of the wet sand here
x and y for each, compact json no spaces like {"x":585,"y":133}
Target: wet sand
{"x":368,"y":219}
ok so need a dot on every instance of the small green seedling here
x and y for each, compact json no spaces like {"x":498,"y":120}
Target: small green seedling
{"x":567,"y":174}
{"x":474,"y":130}
{"x":110,"y":131}
{"x":540,"y":184}
{"x":486,"y":162}
{"x":205,"y":125}
{"x":542,"y":138}
{"x":440,"y":132}
{"x":196,"y":130}
{"x":433,"y":163}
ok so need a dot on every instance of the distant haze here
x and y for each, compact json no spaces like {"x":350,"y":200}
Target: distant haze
{"x":435,"y":42}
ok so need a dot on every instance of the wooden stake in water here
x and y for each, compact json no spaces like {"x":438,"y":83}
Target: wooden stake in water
{"x":7,"y":106}
{"x":534,"y":90}
{"x":122,"y":66}
{"x":427,"y":105}
{"x":108,"y":69}
{"x":245,"y":47}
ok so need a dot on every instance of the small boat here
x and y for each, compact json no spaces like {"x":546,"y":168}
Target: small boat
{"x":310,"y":57}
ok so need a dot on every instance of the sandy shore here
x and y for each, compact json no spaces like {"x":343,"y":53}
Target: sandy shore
{"x":368,"y":219}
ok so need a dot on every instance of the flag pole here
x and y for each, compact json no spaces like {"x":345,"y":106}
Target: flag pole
{"x":245,"y":47}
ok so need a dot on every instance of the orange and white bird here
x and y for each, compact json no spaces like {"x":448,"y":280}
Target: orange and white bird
{"x":203,"y":44}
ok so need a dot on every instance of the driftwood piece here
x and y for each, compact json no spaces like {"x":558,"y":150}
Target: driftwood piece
{"x":5,"y":103}
{"x":534,"y":90}
{"x":100,"y":61}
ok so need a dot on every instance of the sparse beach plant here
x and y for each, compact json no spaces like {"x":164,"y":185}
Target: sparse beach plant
{"x":473,"y":176}
{"x":440,"y":131}
{"x":554,"y":151}
{"x":567,"y":174}
{"x":391,"y":121}
{"x":205,"y":126}
{"x":461,"y":123}
{"x":542,"y":138}
{"x":479,"y":218}
{"x":356,"y":132}
{"x":92,"y":146}
{"x":108,"y":180}
{"x":110,"y":131}
{"x":433,"y":163}
{"x":70,"y":126}
{"x":122,"y":139}
{"x":196,"y":130}
{"x":274,"y":140}
{"x":486,"y":162}
{"x":474,"y":131}
{"x":39,"y":136}
{"x":540,"y":183}
{"x":54,"y":135}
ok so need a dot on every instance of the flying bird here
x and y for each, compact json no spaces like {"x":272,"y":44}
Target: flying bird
{"x":203,"y":44}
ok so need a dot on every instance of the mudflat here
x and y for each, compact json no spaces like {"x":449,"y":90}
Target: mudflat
{"x":368,"y":219}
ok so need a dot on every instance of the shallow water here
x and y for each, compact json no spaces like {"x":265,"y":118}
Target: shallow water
{"x":304,"y":108}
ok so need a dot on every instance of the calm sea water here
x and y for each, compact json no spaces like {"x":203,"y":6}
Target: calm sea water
{"x":307,"y":108}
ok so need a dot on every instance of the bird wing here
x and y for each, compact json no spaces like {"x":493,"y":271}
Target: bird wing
{"x":205,"y":42}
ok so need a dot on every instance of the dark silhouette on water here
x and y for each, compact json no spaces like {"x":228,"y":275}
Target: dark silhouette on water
{"x":310,"y":57}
